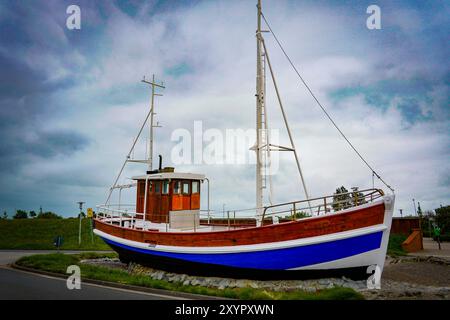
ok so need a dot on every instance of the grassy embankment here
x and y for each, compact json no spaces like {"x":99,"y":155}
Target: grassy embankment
{"x":58,"y":263}
{"x":39,"y":234}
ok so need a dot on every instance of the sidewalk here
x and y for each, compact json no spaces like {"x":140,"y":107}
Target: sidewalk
{"x":430,"y":248}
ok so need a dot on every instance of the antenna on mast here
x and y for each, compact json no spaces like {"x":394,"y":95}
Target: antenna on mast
{"x":152,"y":114}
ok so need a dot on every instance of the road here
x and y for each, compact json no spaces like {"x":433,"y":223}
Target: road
{"x":15,"y":284}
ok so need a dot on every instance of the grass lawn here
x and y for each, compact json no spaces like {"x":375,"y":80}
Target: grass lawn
{"x":59,"y":262}
{"x":40,"y":234}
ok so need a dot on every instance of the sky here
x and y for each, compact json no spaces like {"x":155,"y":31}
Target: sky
{"x":72,"y":101}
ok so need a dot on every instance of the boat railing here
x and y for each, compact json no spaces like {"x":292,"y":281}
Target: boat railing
{"x":116,"y":212}
{"x":124,"y":214}
{"x":322,"y":205}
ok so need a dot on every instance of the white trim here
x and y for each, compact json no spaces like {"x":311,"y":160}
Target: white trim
{"x":246,"y":248}
{"x":170,"y":175}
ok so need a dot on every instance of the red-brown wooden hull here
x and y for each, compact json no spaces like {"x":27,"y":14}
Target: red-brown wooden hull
{"x":310,"y":227}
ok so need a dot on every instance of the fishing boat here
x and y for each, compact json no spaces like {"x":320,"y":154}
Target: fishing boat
{"x":335,"y":235}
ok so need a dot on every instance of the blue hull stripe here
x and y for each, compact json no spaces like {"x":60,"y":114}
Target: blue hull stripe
{"x":276,"y":259}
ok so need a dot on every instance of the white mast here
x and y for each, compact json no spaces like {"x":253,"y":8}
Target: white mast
{"x":259,"y":115}
{"x":262,"y":137}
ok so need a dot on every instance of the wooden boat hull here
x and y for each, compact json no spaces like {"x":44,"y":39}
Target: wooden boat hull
{"x":360,"y":241}
{"x":215,"y":270}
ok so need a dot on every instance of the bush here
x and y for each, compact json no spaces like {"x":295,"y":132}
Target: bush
{"x":21,"y":214}
{"x":48,"y":215}
{"x":395,"y":245}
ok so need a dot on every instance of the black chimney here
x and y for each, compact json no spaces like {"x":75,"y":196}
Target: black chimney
{"x":160,"y":162}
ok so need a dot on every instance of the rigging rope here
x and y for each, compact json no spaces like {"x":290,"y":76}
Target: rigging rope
{"x":322,"y":107}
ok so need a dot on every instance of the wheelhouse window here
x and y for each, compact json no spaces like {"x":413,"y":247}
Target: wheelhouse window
{"x":177,"y":187}
{"x":195,"y":187}
{"x":150,"y":186}
{"x":186,"y":187}
{"x":165,"y":188}
{"x":157,"y":187}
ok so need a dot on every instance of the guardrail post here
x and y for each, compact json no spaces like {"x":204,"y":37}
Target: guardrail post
{"x":293,"y":211}
{"x":194,"y":222}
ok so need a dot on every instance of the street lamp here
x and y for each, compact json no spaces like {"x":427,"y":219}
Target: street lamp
{"x":80,"y":203}
{"x":414,"y":202}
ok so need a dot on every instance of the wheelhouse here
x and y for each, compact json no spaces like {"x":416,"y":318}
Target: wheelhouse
{"x":163,"y":195}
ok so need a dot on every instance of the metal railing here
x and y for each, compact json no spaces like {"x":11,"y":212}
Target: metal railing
{"x":323,"y":205}
{"x":288,"y":211}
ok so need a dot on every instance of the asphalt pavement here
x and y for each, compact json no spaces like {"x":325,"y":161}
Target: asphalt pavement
{"x":18,"y":284}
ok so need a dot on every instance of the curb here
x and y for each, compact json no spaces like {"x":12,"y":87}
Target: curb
{"x":175,"y":294}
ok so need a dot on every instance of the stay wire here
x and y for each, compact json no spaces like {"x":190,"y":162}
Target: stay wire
{"x":322,"y":107}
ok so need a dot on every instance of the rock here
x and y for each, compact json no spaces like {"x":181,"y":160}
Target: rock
{"x":195,"y":282}
{"x":223,"y":284}
{"x":390,"y":289}
{"x":182,"y":278}
{"x":158,"y":275}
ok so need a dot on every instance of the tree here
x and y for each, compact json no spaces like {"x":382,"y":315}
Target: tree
{"x":341,"y":199}
{"x":443,"y":218}
{"x":419,"y":210}
{"x":20,"y":214}
{"x":32,"y":214}
{"x":358,"y":197}
{"x":48,"y":215}
{"x":5,"y":215}
{"x":427,"y":221}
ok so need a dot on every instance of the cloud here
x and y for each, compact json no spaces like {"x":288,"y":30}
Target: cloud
{"x":71,"y":102}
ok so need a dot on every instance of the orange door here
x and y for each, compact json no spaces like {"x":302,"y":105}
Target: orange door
{"x":195,"y":195}
{"x":177,"y":198}
{"x":186,"y":193}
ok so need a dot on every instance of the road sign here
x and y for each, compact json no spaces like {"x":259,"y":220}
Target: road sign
{"x":58,"y":241}
{"x":90,"y":213}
